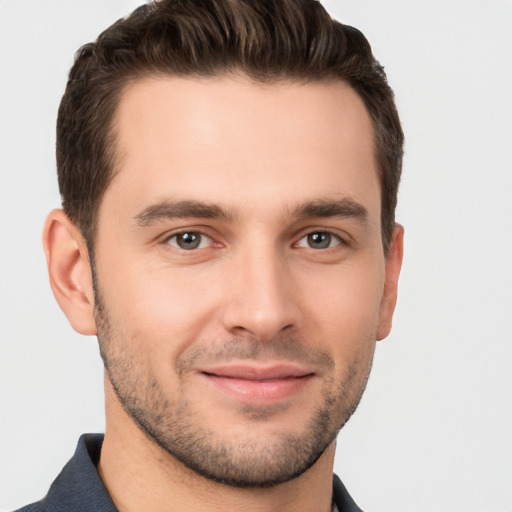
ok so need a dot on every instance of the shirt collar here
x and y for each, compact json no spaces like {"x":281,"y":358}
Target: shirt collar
{"x":78,"y":486}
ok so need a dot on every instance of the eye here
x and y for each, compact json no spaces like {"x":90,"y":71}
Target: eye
{"x":319,"y":240}
{"x":189,"y":240}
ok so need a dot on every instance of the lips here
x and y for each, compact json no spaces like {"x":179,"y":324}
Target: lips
{"x":250,"y":383}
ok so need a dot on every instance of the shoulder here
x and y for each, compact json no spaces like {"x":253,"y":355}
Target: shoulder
{"x":33,"y":507}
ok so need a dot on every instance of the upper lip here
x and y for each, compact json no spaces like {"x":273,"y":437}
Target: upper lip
{"x":258,"y":372}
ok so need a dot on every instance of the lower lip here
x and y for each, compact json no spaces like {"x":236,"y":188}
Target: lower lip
{"x":265,"y":391}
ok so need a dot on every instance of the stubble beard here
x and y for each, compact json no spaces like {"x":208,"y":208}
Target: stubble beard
{"x":178,"y":429}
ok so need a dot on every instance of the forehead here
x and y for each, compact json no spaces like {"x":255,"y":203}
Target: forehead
{"x":228,"y":139}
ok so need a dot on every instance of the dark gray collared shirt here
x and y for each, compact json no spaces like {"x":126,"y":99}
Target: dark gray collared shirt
{"x":78,"y":488}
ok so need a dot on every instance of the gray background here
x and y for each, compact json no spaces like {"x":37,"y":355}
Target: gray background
{"x":434,"y":430}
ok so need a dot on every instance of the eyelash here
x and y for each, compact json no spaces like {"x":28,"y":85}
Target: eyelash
{"x":332,"y":237}
{"x":196,"y":232}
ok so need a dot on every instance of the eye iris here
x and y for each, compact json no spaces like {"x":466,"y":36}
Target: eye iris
{"x":319,"y":240}
{"x":188,"y":240}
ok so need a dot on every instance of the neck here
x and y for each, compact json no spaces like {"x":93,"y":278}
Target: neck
{"x":140,"y":475}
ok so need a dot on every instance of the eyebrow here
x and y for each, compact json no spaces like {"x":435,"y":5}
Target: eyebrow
{"x":180,"y":209}
{"x":326,"y":208}
{"x":323,"y":208}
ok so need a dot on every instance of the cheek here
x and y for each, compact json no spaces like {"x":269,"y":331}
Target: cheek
{"x":345,"y":306}
{"x":163,"y":309}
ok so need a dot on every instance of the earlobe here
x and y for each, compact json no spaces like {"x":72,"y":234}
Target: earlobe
{"x":69,"y":271}
{"x":393,"y":266}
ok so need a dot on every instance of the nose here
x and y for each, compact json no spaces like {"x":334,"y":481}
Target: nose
{"x":262,"y":301}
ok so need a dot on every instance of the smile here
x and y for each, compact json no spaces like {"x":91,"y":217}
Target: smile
{"x":255,"y":384}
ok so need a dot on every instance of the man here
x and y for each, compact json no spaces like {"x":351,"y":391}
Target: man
{"x":229,"y":172}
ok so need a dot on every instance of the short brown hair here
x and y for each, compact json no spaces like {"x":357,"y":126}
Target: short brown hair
{"x":267,"y":40}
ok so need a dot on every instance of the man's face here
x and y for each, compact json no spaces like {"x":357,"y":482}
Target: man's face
{"x":240,"y":270}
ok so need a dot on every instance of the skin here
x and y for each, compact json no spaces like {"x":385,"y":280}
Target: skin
{"x":274,"y":164}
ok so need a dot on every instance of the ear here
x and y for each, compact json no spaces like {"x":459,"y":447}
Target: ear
{"x":393,"y":266}
{"x":69,"y":271}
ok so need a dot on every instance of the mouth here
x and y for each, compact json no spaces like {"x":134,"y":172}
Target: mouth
{"x":251,"y":383}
